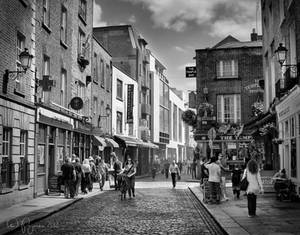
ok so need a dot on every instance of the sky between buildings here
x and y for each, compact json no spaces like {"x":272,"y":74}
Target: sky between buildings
{"x":175,"y":28}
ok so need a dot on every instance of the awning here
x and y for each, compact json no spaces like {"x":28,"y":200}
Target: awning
{"x":99,"y":140}
{"x":148,"y":145}
{"x":128,"y":141}
{"x":110,"y":142}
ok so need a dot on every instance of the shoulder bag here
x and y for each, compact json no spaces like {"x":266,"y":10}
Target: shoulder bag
{"x":244,"y":183}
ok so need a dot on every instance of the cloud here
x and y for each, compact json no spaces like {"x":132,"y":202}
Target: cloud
{"x":97,"y":17}
{"x":180,"y":49}
{"x":177,"y":15}
{"x":132,"y":19}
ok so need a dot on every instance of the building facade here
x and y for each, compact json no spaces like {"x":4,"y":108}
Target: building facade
{"x":228,"y":75}
{"x":281,"y":24}
{"x":63,"y":68}
{"x":17,"y":110}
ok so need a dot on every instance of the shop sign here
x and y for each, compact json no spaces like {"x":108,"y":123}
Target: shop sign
{"x":190,"y":72}
{"x":130,"y":93}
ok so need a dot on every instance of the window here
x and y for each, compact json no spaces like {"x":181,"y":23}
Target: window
{"x":95,"y":105}
{"x":286,"y":129}
{"x":180,"y":126}
{"x":46,"y":13}
{"x":299,"y":124}
{"x":108,"y":80}
{"x":63,"y":25}
{"x":119,"y":89}
{"x":293,"y":158}
{"x":119,"y":122}
{"x":24,"y":165}
{"x":6,"y":166}
{"x":229,"y":108}
{"x":20,"y":47}
{"x":164,"y":94}
{"x":95,"y":67}
{"x":46,"y":69}
{"x":102,"y":72}
{"x":164,"y":120}
{"x":82,"y":9}
{"x":63,"y":84}
{"x":175,"y":123}
{"x":293,"y":127}
{"x":227,"y":69}
{"x":81,"y":40}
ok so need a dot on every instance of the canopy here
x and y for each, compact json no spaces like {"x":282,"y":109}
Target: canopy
{"x":148,"y":145}
{"x":110,"y":142}
{"x":99,"y":140}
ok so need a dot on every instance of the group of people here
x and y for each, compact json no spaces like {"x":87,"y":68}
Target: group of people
{"x":214,"y":171}
{"x":77,"y":175}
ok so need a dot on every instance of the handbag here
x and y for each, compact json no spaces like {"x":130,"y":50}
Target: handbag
{"x":244,"y":183}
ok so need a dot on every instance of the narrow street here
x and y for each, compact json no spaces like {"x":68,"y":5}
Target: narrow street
{"x":156,"y":209}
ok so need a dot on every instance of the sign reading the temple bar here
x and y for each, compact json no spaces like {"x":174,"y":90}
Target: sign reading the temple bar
{"x":76,"y":103}
{"x":190,"y":72}
{"x":130,"y":103}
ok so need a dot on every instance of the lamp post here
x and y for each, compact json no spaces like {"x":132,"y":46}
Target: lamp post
{"x":25,"y":59}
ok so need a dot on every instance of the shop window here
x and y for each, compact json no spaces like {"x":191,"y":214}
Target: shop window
{"x":119,"y":122}
{"x":24,"y":168}
{"x":41,"y":148}
{"x":6,"y":166}
{"x":293,"y":158}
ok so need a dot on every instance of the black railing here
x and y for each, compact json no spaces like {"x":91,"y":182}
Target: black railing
{"x":6,"y":173}
{"x":291,"y":78}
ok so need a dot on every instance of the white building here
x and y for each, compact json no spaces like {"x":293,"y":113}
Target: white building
{"x":125,"y":113}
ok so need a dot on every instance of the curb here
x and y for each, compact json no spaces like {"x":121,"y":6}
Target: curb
{"x":24,"y":221}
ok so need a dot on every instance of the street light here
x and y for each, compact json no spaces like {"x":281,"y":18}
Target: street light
{"x":281,"y":53}
{"x":25,"y":59}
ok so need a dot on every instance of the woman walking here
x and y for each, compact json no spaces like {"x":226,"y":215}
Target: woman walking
{"x":86,"y":180}
{"x":255,"y":186}
{"x":130,"y":171}
{"x":174,"y":170}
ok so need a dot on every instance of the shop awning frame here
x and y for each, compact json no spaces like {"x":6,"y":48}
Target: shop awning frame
{"x":110,"y":142}
{"x":99,"y":140}
{"x":128,"y":141}
{"x":149,"y":145}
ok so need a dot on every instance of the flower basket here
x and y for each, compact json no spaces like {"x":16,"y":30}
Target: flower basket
{"x":189,"y":117}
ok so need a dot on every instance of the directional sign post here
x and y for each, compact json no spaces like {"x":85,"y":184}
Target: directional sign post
{"x":190,"y":72}
{"x":212,"y":134}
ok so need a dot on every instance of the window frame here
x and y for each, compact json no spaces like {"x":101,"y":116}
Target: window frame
{"x":222,"y":71}
{"x":46,"y":14}
{"x":64,"y":25}
{"x":119,"y":87}
{"x":20,"y":46}
{"x":63,"y":87}
{"x":119,"y":120}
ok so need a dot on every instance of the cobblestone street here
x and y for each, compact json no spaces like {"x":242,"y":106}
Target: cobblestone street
{"x":156,"y":209}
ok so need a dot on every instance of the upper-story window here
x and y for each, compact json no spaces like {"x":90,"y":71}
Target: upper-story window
{"x":119,"y":89}
{"x":63,"y":25}
{"x":81,"y":41}
{"x":46,"y":13}
{"x":108,"y":78}
{"x":95,"y":67}
{"x":229,"y":108}
{"x":20,"y":47}
{"x":63,"y":85}
{"x":82,"y":9}
{"x":46,"y":69}
{"x":102,"y":72}
{"x":227,"y":69}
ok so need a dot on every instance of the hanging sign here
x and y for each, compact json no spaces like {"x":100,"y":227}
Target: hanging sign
{"x":190,"y":72}
{"x":130,"y":93}
{"x":76,"y":103}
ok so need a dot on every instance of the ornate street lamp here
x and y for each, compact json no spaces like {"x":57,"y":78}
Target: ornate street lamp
{"x":281,"y":54}
{"x":25,"y":59}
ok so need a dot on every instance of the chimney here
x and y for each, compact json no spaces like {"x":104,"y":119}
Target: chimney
{"x":254,"y":36}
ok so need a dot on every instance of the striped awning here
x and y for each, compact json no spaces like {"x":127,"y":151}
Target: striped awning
{"x":99,"y":141}
{"x":148,"y":145}
{"x":110,"y":142}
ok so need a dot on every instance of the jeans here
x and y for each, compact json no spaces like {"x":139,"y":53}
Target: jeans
{"x":214,"y":190}
{"x":69,"y":188}
{"x":251,"y":197}
{"x":173,"y":175}
{"x":131,"y":185}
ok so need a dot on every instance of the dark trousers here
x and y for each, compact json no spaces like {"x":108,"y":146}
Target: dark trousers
{"x":131,"y":185}
{"x":117,"y":181}
{"x":251,"y":197}
{"x":69,"y":188}
{"x":214,"y":191}
{"x":173,"y":175}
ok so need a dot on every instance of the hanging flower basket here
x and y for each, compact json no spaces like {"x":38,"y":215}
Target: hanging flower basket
{"x":189,"y":117}
{"x":257,"y":108}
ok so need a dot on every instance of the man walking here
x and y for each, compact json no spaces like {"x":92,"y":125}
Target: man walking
{"x":117,"y":169}
{"x":69,"y":176}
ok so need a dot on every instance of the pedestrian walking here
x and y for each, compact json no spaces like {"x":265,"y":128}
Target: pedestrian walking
{"x":154,"y":169}
{"x":236,"y":181}
{"x":79,"y":175}
{"x":86,"y":180}
{"x":214,"y":179}
{"x":193,"y":169}
{"x":255,"y":186}
{"x":204,"y":171}
{"x":69,"y":176}
{"x":93,"y":174}
{"x":224,"y":173}
{"x":130,"y":171}
{"x":166,"y":168}
{"x":117,"y":166}
{"x":180,"y":166}
{"x":174,"y":172}
{"x":189,"y":167}
{"x":102,"y":168}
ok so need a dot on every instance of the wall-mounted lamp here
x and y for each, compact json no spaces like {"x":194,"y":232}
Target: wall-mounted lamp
{"x":25,"y":59}
{"x":108,"y":112}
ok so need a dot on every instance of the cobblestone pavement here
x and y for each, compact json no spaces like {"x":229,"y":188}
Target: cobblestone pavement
{"x":159,"y":210}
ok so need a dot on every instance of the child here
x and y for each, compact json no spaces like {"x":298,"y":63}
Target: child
{"x":236,"y":180}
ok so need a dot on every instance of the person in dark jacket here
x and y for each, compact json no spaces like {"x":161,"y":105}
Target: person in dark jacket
{"x":79,"y":175}
{"x":236,"y":180}
{"x":117,"y":165}
{"x":68,"y":171}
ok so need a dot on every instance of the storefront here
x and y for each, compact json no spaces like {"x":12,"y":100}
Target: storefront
{"x":288,"y":113}
{"x":58,"y":137}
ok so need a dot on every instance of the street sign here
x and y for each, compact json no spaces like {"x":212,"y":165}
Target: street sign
{"x":212,"y":134}
{"x":190,"y":72}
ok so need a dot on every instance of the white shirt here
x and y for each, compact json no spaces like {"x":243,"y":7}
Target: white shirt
{"x":214,"y":172}
{"x":255,"y":183}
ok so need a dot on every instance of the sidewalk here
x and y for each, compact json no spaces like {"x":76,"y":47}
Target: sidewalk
{"x":273,"y":217}
{"x":36,"y":209}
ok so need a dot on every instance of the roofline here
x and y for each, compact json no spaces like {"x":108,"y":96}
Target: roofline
{"x":121,"y":70}
{"x":94,"y":37}
{"x":228,"y":48}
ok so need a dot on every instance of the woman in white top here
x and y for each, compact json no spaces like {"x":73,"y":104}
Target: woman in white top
{"x":174,"y":170}
{"x":255,"y":186}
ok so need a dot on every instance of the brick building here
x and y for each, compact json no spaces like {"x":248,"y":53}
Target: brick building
{"x":227,"y":87}
{"x":17,"y":110}
{"x":281,"y":25}
{"x":63,"y":50}
{"x":129,"y":54}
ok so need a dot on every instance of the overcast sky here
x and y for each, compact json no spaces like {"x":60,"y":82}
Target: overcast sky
{"x":175,"y":28}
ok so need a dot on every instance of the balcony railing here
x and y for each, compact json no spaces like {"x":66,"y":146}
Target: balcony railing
{"x":291,"y":78}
